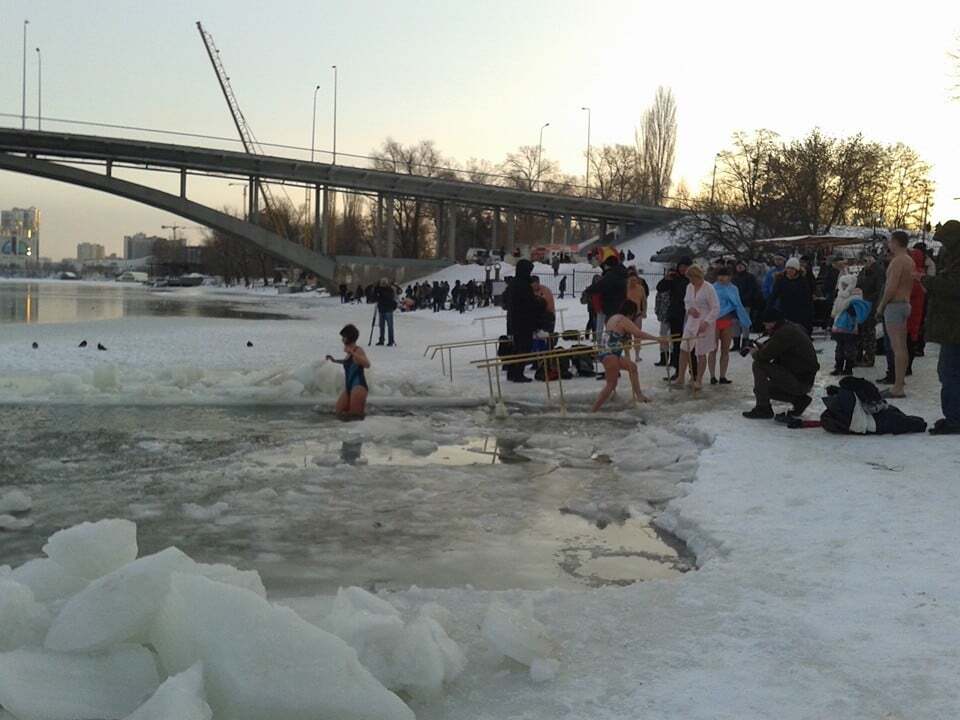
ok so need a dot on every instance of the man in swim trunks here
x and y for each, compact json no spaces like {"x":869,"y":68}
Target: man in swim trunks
{"x":894,"y":308}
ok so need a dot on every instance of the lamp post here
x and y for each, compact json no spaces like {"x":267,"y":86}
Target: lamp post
{"x":313,"y":139}
{"x":23,"y":86}
{"x":713,"y":182}
{"x":334,"y":114}
{"x":243,"y":187}
{"x":540,"y":153}
{"x":39,"y":86}
{"x":926,"y":199}
{"x":587,"y":177}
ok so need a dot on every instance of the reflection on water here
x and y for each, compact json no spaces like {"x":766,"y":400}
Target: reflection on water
{"x":69,"y":302}
{"x":474,"y":451}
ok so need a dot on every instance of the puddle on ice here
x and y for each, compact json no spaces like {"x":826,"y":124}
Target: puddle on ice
{"x":486,"y":450}
{"x":261,"y":488}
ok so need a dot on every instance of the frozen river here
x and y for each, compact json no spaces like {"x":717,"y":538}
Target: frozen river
{"x":72,"y":302}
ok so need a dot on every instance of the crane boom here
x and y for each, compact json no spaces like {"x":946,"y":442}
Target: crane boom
{"x":247,"y":138}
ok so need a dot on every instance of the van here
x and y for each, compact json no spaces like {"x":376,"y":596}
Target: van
{"x":477,"y":255}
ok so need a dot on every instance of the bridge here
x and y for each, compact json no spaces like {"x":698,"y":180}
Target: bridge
{"x":55,"y":156}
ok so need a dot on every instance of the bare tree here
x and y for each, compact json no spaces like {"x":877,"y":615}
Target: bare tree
{"x":657,"y":144}
{"x":412,"y":217}
{"x":616,"y":173}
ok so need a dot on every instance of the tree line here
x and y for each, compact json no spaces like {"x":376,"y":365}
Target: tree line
{"x":764,"y":186}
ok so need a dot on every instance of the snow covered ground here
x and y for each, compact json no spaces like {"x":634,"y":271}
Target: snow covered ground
{"x":827,"y":583}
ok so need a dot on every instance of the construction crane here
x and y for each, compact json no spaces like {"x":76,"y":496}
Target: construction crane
{"x":174,"y":228}
{"x":247,"y":138}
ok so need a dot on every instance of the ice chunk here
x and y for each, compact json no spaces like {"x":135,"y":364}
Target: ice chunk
{"x":116,"y":607}
{"x":40,"y":685}
{"x":105,"y":378}
{"x":544,"y":669}
{"x":514,"y":632}
{"x":23,"y":620}
{"x":208,"y":512}
{"x":427,"y":657}
{"x":372,"y":627}
{"x":246,"y":579}
{"x":179,"y":698}
{"x":9,"y":522}
{"x":91,"y":550}
{"x":261,"y":660}
{"x":47,"y":579}
{"x":15,"y":501}
{"x":418,"y":657}
{"x":423,"y":447}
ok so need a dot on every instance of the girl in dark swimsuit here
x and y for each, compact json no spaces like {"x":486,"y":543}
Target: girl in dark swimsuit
{"x":352,"y":403}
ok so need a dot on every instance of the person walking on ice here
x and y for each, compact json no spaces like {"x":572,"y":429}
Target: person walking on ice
{"x":352,"y":403}
{"x":619,"y":327}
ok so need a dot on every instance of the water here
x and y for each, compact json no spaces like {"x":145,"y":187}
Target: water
{"x":273,"y":489}
{"x":70,"y":302}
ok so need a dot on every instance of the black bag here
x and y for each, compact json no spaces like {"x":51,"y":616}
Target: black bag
{"x":583,"y":364}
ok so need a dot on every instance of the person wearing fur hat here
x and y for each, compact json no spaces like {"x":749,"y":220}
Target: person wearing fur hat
{"x":849,"y":312}
{"x":793,"y":296}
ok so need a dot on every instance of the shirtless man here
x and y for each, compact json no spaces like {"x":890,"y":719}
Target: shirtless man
{"x":894,"y":308}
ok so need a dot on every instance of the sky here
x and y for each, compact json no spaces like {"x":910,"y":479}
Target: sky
{"x":478,"y":78}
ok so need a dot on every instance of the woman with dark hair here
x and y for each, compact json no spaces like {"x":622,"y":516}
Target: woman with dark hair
{"x":618,"y":328}
{"x":352,"y":403}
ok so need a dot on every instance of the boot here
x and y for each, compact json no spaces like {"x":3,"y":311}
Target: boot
{"x":663,"y":360}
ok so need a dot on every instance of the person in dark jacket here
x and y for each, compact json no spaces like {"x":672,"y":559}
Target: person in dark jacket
{"x":784,"y":367}
{"x":943,"y":325}
{"x":793,"y":296}
{"x":750,"y":296}
{"x":870,"y":281}
{"x":829,"y":277}
{"x":586,"y":298}
{"x":676,"y":308}
{"x":386,"y":305}
{"x":562,"y":287}
{"x":524,"y":310}
{"x":611,"y":290}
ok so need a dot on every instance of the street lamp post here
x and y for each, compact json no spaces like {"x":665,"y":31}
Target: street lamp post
{"x":23,"y":86}
{"x":243,"y":187}
{"x":540,"y":154}
{"x":313,"y":139}
{"x":334,"y":114}
{"x":587,"y":177}
{"x":713,"y":182}
{"x":39,"y":86}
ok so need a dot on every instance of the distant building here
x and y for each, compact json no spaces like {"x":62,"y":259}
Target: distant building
{"x":139,"y":245}
{"x":19,"y":236}
{"x":87,"y":252}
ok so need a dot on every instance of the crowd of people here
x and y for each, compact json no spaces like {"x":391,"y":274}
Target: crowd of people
{"x":704,"y":315}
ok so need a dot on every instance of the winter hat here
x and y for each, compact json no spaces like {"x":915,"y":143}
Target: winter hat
{"x":794,"y":263}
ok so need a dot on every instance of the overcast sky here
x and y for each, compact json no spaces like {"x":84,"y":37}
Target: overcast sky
{"x":479,"y":78}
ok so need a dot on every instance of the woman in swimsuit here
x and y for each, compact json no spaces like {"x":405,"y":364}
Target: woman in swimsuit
{"x":619,"y":328}
{"x":352,"y":403}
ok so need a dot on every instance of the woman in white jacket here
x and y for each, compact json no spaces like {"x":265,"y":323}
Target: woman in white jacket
{"x":703,"y":307}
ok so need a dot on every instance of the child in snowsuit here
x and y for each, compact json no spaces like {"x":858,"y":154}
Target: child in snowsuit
{"x":849,"y":312}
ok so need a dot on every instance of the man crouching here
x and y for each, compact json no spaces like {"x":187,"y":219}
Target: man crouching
{"x":784,"y":367}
